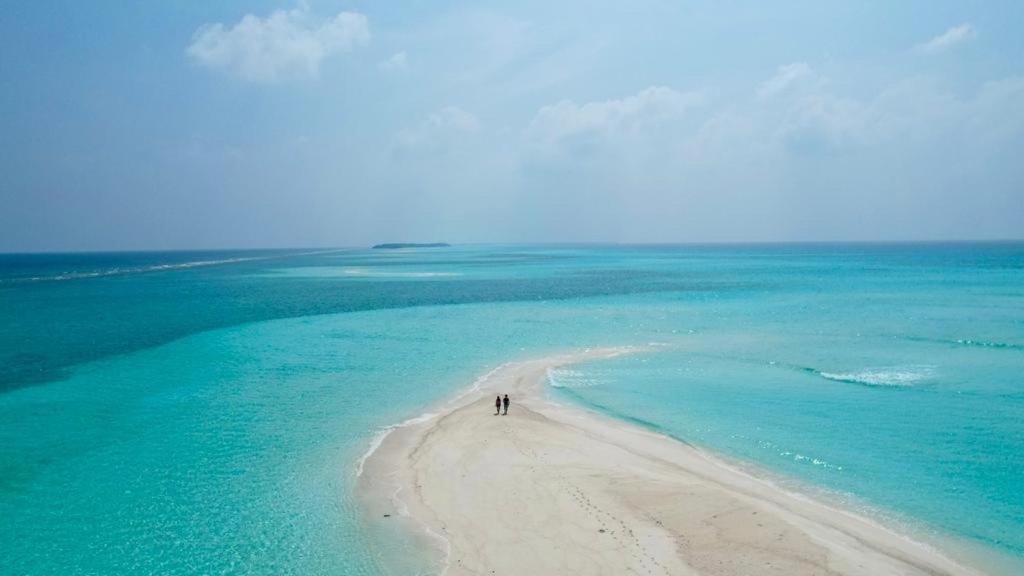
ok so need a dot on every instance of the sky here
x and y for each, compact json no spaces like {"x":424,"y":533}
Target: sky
{"x":180,"y":125}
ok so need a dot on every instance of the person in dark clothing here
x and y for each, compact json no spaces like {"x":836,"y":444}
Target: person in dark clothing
{"x":497,"y":405}
{"x":506,"y":403}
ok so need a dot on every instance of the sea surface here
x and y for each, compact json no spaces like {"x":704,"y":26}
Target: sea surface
{"x":206,"y":412}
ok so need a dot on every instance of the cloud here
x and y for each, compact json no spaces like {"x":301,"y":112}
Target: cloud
{"x":679,"y":163}
{"x":947,"y":39}
{"x":822,"y":123}
{"x":455,"y":117}
{"x":785,"y":76}
{"x":397,"y":61}
{"x":285,"y":44}
{"x":446,"y":123}
{"x":567,"y":120}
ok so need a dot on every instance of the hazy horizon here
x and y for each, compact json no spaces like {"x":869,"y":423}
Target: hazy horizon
{"x":326,"y":124}
{"x":541,"y":244}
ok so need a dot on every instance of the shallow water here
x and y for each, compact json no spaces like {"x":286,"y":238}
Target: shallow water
{"x":205,"y":412}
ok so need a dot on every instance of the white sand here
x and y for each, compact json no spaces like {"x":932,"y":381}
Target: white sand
{"x":555,"y":490}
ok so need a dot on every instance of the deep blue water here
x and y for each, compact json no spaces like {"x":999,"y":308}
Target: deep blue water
{"x":202,"y":412}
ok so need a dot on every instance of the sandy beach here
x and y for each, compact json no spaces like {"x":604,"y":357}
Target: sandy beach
{"x":553,"y":490}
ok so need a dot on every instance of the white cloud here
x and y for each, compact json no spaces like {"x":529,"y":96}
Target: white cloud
{"x":445,"y":123}
{"x":287,"y":43}
{"x":947,"y":39}
{"x":397,"y":61}
{"x":455,"y":118}
{"x":822,"y":123}
{"x":776,"y":162}
{"x":785,"y":76}
{"x":567,"y":119}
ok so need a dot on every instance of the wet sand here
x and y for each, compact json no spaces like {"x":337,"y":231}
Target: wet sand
{"x":553,"y":490}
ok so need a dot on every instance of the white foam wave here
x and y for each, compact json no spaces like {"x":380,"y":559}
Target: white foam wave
{"x":810,"y":459}
{"x":382,"y":434}
{"x":986,"y":344}
{"x":895,"y":376}
{"x":479,"y":382}
{"x":116,"y":271}
{"x":568,"y":378}
{"x":73,"y":275}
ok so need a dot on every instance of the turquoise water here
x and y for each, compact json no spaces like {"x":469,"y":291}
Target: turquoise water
{"x":195,"y":413}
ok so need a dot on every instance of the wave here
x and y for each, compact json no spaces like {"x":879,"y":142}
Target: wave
{"x":567,"y":378}
{"x":790,"y":454}
{"x":383,"y":433}
{"x":984,"y":344}
{"x":481,"y":380}
{"x":898,"y":376}
{"x":75,"y":275}
{"x":119,"y":271}
{"x":970,"y":342}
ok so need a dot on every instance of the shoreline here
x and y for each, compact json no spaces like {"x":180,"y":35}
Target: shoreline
{"x":556,"y":489}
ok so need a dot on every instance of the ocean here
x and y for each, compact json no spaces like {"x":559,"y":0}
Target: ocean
{"x":206,"y":412}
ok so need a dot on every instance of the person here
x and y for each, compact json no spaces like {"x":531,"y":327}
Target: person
{"x":497,"y":405}
{"x":506,"y":403}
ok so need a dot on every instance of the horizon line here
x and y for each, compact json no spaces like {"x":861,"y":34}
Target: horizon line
{"x":369,"y":246}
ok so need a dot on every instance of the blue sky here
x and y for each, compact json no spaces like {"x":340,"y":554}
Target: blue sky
{"x":321,"y":123}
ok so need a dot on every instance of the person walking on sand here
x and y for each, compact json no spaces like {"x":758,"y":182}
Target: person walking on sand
{"x":506,"y":403}
{"x":497,"y":405}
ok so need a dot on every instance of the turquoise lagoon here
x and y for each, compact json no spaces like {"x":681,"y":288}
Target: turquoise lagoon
{"x":205,"y":412}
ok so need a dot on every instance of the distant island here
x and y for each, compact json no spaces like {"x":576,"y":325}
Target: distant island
{"x":396,"y":245}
